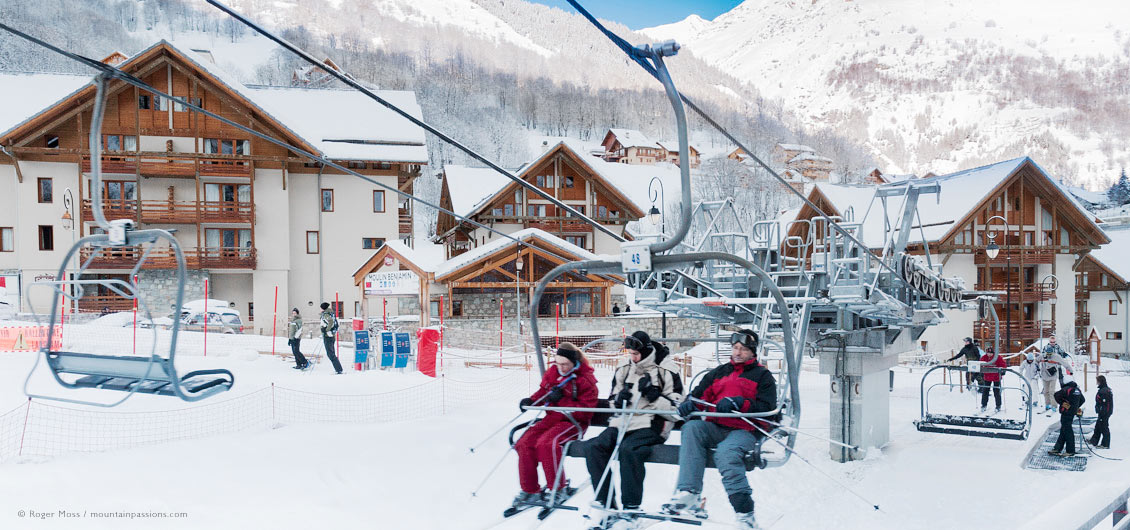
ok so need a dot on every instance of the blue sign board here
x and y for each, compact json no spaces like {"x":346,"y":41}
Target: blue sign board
{"x":403,"y":349}
{"x":361,"y":356}
{"x":361,"y":340}
{"x":388,"y":350}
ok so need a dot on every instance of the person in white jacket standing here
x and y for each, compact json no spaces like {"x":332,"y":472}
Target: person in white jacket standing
{"x":1030,"y":369}
{"x":648,"y":379}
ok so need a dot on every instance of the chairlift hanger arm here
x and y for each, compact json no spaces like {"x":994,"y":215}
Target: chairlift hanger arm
{"x":352,"y":83}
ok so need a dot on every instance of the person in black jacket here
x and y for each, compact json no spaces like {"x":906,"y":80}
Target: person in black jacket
{"x":1104,"y":407}
{"x":971,"y":353}
{"x":740,"y":386}
{"x":1070,"y":400}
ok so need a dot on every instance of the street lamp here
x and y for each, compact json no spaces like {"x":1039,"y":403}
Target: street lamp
{"x":654,"y":215}
{"x":69,"y":216}
{"x":992,"y":250}
{"x":1051,"y":283}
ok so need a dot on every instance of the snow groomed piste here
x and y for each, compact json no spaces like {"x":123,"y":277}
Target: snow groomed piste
{"x":811,"y":282}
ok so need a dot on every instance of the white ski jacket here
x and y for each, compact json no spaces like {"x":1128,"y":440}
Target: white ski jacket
{"x":665,"y":375}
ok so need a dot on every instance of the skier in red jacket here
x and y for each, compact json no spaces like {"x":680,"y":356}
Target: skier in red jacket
{"x":568,"y":383}
{"x":992,"y":379}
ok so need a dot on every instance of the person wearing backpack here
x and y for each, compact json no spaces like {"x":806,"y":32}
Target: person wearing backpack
{"x":1070,"y":400}
{"x":329,"y":333}
{"x":294,"y":339}
{"x":1104,"y":407}
{"x":648,"y":379}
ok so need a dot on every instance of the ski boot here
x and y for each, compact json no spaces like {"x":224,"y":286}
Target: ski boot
{"x":685,"y":503}
{"x":522,"y":502}
{"x":746,"y":521}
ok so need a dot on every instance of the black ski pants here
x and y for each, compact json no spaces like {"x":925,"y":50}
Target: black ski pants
{"x":1066,"y":433}
{"x":329,"y":342}
{"x":1102,"y":432}
{"x":299,"y":359}
{"x":985,"y":386}
{"x":634,"y":450}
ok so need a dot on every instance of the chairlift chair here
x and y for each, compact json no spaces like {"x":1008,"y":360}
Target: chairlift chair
{"x":968,"y":425}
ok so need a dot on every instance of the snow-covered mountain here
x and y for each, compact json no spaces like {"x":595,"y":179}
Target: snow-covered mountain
{"x":938,"y":86}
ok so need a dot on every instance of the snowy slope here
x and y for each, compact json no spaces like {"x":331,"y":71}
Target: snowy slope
{"x":937,"y":86}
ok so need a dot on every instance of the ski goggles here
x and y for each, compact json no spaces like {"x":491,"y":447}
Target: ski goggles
{"x":632,"y":343}
{"x":745,"y":339}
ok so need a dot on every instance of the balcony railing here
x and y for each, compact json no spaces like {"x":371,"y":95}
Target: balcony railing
{"x":182,"y":166}
{"x":1082,"y":319}
{"x":93,"y":304}
{"x":163,"y":258}
{"x":1029,"y":255}
{"x":1019,"y":292}
{"x":174,"y":212}
{"x":1023,"y":330}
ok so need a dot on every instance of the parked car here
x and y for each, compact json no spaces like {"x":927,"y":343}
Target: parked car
{"x":221,"y":317}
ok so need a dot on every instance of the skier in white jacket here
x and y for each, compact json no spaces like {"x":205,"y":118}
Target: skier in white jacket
{"x":1030,"y":369}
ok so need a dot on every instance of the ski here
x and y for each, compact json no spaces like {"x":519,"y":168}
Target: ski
{"x":515,"y":510}
{"x":562,"y":497}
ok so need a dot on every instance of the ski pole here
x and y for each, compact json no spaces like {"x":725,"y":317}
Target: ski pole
{"x":515,"y":418}
{"x":492,"y":470}
{"x":615,"y":452}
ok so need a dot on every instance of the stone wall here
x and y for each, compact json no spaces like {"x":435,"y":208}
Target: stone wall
{"x":478,"y":333}
{"x":159,"y":289}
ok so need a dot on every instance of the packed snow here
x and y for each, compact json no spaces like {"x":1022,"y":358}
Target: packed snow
{"x":321,"y":469}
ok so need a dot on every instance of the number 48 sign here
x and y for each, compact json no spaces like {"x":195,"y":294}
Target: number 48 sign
{"x":635,"y":256}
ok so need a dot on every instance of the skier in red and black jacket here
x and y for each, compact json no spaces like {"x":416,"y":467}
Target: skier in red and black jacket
{"x":568,"y":383}
{"x":742,"y":385}
{"x":992,"y":378}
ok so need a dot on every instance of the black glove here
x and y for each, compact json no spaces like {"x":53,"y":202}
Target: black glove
{"x":686,"y":408}
{"x":623,"y":397}
{"x":554,"y":395}
{"x":731,"y":404}
{"x":525,"y":403}
{"x":649,"y":391}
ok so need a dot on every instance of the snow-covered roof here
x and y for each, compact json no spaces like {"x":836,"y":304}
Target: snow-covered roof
{"x":1116,"y":254}
{"x":427,"y":262}
{"x":810,"y":156}
{"x":796,"y":147}
{"x":472,"y":187}
{"x":632,"y":138}
{"x":341,"y":124}
{"x":673,"y":145}
{"x":960,"y":192}
{"x":346,"y":124}
{"x":1093,"y":197}
{"x":528,"y":234}
{"x":35,"y":92}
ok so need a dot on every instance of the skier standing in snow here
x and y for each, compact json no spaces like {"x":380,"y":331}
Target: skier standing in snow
{"x":647,"y":379}
{"x":1070,"y":400}
{"x":740,"y":386}
{"x":329,"y":332}
{"x":294,"y":338}
{"x":1104,"y":407}
{"x":971,"y":353}
{"x":992,"y":379}
{"x":1052,"y":350}
{"x":1049,"y":375}
{"x":568,"y":383}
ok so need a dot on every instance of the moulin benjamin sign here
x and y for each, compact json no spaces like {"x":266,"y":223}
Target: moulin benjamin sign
{"x":927,"y":282}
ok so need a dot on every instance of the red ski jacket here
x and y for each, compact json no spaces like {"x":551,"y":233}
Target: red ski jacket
{"x":748,"y":380}
{"x":581,"y":391}
{"x":999,"y":363}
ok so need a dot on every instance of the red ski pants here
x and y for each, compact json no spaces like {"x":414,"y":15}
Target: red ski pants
{"x":542,"y":443}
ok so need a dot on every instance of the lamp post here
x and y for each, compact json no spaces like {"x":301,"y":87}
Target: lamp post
{"x":991,"y":251}
{"x":69,"y":215}
{"x":1052,"y":283}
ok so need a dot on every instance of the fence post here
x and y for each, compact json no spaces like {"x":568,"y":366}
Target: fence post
{"x":27,"y":413}
{"x":273,"y":401}
{"x":274,"y":323}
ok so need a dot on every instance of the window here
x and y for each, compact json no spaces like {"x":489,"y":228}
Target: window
{"x":51,"y":141}
{"x":227,"y":193}
{"x":577,"y":240}
{"x":497,"y":212}
{"x":143,"y":102}
{"x":338,"y":309}
{"x":1106,"y":280}
{"x":568,"y":182}
{"x":7,"y":240}
{"x":327,"y":200}
{"x":1112,"y":306}
{"x":382,"y":165}
{"x":251,"y":310}
{"x":518,"y":197}
{"x":456,"y":308}
{"x":45,"y":195}
{"x":372,"y":243}
{"x":311,"y":241}
{"x":225,"y":146}
{"x":356,"y":164}
{"x":1114,"y":335}
{"x":46,"y":237}
{"x":379,"y":201}
{"x":541,"y":181}
{"x":180,"y":107}
{"x":536,"y":210}
{"x":602,"y":211}
{"x":160,"y":103}
{"x":508,"y":210}
{"x":118,"y":142}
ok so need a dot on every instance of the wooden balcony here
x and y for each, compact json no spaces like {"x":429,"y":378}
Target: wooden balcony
{"x":1026,"y":331}
{"x":174,"y":212}
{"x":1020,"y":293}
{"x":163,"y":258}
{"x":172,"y":166}
{"x":1082,"y":319}
{"x":1029,"y":255}
{"x":96,"y":304}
